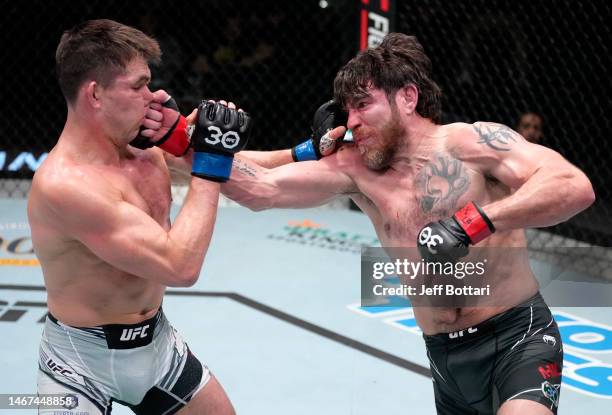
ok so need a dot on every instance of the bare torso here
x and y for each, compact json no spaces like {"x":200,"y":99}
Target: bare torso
{"x":401,"y":201}
{"x":82,"y":289}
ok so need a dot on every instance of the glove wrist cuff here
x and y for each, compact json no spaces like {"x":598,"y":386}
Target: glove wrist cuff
{"x":474,"y":222}
{"x":305,"y":151}
{"x":176,"y":140}
{"x":212,"y":166}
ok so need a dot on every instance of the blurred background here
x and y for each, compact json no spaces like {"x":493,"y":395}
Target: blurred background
{"x":298,"y":341}
{"x":494,"y":60}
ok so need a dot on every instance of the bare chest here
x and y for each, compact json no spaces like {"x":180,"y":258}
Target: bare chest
{"x":400,"y":204}
{"x":146,"y":184}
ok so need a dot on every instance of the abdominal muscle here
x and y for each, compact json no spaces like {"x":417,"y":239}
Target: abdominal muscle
{"x":507,"y":273}
{"x":99,"y":294}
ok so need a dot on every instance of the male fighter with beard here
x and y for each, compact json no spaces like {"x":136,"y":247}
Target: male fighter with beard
{"x":458,"y":184}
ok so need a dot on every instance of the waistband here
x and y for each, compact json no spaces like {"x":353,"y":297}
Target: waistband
{"x":488,"y":326}
{"x":120,"y":336}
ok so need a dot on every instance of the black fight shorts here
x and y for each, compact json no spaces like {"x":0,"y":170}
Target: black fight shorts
{"x":514,"y":355}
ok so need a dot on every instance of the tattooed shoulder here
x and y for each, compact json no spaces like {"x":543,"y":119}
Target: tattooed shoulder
{"x":496,"y":136}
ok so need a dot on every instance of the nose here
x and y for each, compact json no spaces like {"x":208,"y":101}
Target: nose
{"x":353,"y":119}
{"x":148,"y":95}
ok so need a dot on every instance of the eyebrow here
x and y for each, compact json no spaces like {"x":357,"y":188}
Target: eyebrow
{"x":358,"y":96}
{"x":142,"y":78}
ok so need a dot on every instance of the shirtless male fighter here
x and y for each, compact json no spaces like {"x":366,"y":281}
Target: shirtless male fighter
{"x":99,"y":215}
{"x":458,"y":184}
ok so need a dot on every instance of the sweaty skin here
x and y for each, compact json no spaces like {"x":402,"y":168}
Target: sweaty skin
{"x":436,"y":170}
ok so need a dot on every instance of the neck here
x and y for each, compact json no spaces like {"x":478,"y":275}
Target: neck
{"x":89,"y":141}
{"x":417,"y":143}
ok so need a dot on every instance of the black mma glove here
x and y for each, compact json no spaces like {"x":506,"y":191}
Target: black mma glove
{"x":448,"y":240}
{"x":220,"y":132}
{"x":327,"y":117}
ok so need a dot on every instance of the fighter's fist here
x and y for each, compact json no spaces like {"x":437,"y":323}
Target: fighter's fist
{"x":164,"y":127}
{"x":219,"y":133}
{"x":448,"y":240}
{"x":322,"y":142}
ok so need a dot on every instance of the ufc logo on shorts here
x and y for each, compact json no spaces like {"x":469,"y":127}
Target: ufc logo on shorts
{"x":228,"y":140}
{"x":58,"y":368}
{"x":459,"y":333}
{"x":130,"y":334}
{"x":429,"y":240}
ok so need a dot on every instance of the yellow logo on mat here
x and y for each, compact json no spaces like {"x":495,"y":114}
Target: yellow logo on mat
{"x":306,"y":223}
{"x":15,"y":262}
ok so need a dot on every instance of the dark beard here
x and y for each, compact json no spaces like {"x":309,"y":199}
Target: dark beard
{"x":388,"y":140}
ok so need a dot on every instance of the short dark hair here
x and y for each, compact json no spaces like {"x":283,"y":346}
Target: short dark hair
{"x":397,"y":62}
{"x":100,"y":49}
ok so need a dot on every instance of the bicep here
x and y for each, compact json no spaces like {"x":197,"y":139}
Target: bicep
{"x":117,"y":232}
{"x":500,"y":152}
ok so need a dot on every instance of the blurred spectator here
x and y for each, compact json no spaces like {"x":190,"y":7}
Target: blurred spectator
{"x":530,"y":126}
{"x":238,"y":53}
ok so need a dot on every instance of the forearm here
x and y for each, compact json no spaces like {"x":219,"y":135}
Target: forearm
{"x":248,"y":185}
{"x":180,"y":167}
{"x":294,"y":185}
{"x":192,"y":230}
{"x":550,"y":196}
{"x":268,"y":159}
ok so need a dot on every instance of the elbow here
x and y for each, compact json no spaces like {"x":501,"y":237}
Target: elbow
{"x":584,"y":194}
{"x":256,"y":204}
{"x":257,"y":198}
{"x":187,"y":280}
{"x":579,"y":193}
{"x":185,"y":276}
{"x":259,"y":205}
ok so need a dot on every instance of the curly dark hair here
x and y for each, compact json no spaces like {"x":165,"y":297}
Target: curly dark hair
{"x":397,"y":62}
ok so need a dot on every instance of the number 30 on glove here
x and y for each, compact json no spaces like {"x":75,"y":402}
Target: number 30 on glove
{"x":220,"y":132}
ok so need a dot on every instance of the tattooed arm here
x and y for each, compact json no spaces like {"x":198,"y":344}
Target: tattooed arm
{"x":269,"y":159}
{"x":294,"y":185}
{"x":547,"y":188}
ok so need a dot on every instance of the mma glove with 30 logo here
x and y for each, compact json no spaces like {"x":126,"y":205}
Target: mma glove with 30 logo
{"x":448,"y":240}
{"x":220,"y":132}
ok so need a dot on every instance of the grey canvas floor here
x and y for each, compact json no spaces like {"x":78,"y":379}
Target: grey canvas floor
{"x":277,"y":319}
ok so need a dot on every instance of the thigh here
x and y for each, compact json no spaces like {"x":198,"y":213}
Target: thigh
{"x":188,"y":386}
{"x":211,"y":399}
{"x":446,"y":400}
{"x":77,"y":401}
{"x":532,"y":370}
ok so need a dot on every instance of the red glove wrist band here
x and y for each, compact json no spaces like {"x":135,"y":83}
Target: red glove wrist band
{"x":474,"y":222}
{"x":177,"y":142}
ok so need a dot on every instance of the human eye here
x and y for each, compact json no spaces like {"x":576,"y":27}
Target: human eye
{"x":361,"y":104}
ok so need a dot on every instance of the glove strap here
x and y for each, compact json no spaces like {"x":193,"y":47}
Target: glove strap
{"x":212,"y":166}
{"x":304,"y":151}
{"x":474,"y":222}
{"x":141,"y":142}
{"x":176,"y":140}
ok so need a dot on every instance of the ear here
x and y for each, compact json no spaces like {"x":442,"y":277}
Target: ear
{"x":92,"y":92}
{"x":407,"y":99}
